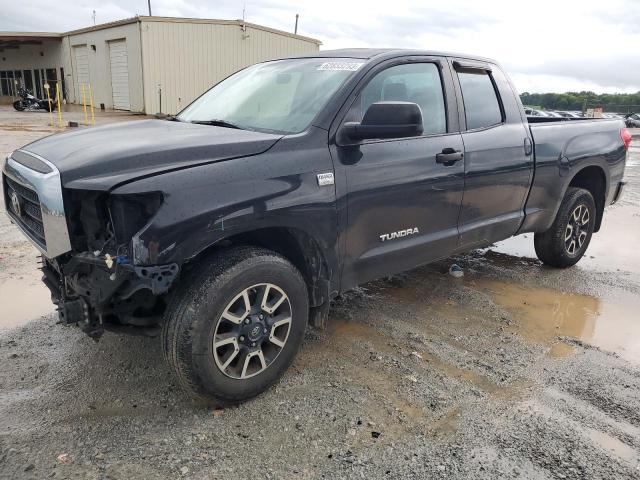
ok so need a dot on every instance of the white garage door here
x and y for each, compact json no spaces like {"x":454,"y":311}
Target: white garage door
{"x":82,"y":70}
{"x":119,"y":74}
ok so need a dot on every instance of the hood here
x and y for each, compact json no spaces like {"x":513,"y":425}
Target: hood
{"x":100,"y":158}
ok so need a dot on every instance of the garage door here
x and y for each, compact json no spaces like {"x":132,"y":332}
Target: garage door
{"x":119,"y":74}
{"x":82,"y":70}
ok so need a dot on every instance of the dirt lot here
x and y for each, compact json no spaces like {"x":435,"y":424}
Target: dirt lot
{"x":513,"y":371}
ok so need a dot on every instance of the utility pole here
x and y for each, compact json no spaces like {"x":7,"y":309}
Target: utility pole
{"x":149,"y":4}
{"x":296,"y":28}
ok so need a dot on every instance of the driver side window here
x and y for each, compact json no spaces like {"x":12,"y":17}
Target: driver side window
{"x":414,"y":82}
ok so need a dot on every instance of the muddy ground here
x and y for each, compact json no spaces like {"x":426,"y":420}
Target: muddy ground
{"x":513,"y":371}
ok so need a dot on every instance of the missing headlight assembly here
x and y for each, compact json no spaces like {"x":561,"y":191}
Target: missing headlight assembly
{"x":97,"y":285}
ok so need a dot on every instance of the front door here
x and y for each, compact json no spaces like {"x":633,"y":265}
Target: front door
{"x":402,"y":206}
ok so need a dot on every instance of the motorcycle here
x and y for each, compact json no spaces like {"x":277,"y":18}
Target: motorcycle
{"x":29,"y":102}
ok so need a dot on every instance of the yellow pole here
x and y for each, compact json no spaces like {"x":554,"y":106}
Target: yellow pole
{"x":58,"y":95}
{"x":84,"y":103}
{"x":50,"y":109}
{"x":93,"y":115}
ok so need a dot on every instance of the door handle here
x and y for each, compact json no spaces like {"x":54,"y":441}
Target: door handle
{"x":528,"y":147}
{"x":449,"y":156}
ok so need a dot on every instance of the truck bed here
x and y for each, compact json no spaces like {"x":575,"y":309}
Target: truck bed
{"x":562,"y":147}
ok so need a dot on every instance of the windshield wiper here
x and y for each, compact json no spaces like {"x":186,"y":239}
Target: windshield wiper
{"x":164,"y":116}
{"x":217,"y":123}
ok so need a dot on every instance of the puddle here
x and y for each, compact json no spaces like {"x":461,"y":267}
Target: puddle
{"x":373,"y":377}
{"x":613,"y":445}
{"x":601,"y":439}
{"x":622,"y":222}
{"x":23,"y":300}
{"x":618,"y":234}
{"x":351,"y":330}
{"x":542,"y":315}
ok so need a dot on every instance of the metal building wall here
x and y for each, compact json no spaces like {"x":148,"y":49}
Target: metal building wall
{"x":99,"y":64}
{"x":186,"y":57}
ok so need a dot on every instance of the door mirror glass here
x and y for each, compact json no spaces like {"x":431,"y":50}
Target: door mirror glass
{"x":387,"y":120}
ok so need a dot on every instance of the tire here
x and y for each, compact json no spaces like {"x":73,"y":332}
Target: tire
{"x":554,"y":247}
{"x":18,"y":105}
{"x":194,"y":319}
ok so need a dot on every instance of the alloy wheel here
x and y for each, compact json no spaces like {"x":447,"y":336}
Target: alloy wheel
{"x":577,"y":230}
{"x":252,"y":331}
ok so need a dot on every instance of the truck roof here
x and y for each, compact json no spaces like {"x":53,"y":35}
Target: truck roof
{"x":369,"y":53}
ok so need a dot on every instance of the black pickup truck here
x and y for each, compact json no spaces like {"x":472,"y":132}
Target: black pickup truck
{"x":228,"y":228}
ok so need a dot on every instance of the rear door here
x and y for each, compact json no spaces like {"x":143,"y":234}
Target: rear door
{"x":498,"y":159}
{"x":402,"y":205}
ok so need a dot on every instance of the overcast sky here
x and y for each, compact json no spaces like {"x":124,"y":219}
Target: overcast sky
{"x":545,"y":45}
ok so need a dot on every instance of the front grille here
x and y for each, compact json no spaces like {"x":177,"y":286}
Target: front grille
{"x":29,"y":215}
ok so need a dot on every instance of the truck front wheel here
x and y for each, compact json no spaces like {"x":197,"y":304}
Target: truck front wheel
{"x":564,"y":244}
{"x":235,"y":324}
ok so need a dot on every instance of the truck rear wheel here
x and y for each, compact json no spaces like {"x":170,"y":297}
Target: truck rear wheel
{"x":235,"y":324}
{"x":564,"y":244}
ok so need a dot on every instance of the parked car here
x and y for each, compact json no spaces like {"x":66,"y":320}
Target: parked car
{"x":567,"y":114}
{"x":532,"y":112}
{"x":227,"y":228}
{"x":633,"y":120}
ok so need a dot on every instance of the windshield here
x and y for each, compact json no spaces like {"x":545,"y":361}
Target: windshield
{"x":281,"y":96}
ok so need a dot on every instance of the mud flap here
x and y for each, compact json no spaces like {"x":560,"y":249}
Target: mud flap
{"x":319,"y":316}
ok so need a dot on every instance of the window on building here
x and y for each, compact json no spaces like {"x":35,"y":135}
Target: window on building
{"x":6,"y":83}
{"x":63,"y":87}
{"x":38,"y":92}
{"x":18,"y":82}
{"x":4,"y":90}
{"x":481,"y":105}
{"x":52,"y":80}
{"x":27,"y":76}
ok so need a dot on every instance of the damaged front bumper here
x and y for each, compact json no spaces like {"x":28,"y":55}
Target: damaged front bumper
{"x":101,"y":292}
{"x":93,"y":290}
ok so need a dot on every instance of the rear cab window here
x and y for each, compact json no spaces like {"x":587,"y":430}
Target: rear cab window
{"x":480,"y":98}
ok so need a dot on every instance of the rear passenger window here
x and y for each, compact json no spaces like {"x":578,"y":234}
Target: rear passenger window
{"x":417,"y":83}
{"x":481,"y":105}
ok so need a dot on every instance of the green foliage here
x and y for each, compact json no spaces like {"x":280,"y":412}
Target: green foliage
{"x":611,"y":102}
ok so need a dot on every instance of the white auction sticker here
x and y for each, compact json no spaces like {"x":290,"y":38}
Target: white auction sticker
{"x":341,"y":66}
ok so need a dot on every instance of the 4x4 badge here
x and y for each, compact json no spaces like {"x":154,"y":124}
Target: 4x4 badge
{"x":325,"y":179}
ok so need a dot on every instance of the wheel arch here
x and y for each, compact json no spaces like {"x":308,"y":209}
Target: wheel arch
{"x":296,"y":245}
{"x":593,"y":179}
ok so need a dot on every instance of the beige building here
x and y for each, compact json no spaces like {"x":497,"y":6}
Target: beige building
{"x":141,"y":64}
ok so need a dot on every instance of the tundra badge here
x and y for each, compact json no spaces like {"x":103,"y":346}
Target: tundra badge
{"x":325,"y":179}
{"x":399,"y":234}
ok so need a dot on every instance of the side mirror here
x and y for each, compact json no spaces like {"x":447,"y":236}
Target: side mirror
{"x":387,"y":120}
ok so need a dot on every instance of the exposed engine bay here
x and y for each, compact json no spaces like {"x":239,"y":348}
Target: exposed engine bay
{"x":97,"y":285}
